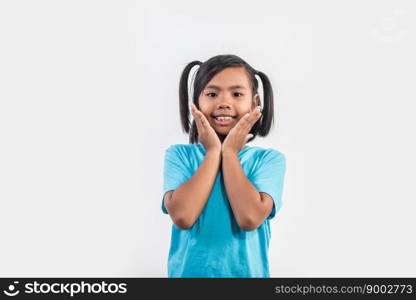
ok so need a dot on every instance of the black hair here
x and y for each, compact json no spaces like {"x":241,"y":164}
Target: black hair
{"x":204,"y":74}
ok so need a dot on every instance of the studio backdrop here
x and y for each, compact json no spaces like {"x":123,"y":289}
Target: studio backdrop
{"x":89,"y":104}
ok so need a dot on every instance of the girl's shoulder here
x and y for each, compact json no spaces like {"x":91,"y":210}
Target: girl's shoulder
{"x":185,"y":148}
{"x":262,"y":152}
{"x":267,"y":158}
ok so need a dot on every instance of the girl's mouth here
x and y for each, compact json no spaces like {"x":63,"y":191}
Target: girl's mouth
{"x":223,"y":121}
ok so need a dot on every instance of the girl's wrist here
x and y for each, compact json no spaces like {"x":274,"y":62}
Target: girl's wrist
{"x":229,"y":152}
{"x":214,"y":152}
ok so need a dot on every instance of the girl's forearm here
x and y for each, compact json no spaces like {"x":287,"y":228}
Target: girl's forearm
{"x":244,"y":198}
{"x":189,"y":199}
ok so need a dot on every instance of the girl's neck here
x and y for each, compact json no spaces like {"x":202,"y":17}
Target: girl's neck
{"x":222,"y":138}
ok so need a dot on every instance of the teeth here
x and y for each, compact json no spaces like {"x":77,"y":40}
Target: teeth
{"x":223,"y":118}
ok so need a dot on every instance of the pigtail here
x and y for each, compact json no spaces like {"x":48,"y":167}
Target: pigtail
{"x":268,"y":106}
{"x":184,"y":96}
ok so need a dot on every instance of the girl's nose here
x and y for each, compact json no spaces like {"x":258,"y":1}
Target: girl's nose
{"x":225,"y":102}
{"x":224,"y":105}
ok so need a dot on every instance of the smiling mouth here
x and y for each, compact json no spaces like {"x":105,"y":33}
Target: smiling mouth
{"x":223,"y":121}
{"x":224,"y":117}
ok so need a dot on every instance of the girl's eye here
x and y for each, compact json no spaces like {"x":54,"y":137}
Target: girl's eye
{"x":214,"y":94}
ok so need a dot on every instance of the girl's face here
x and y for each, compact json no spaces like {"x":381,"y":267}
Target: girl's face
{"x":228,"y":93}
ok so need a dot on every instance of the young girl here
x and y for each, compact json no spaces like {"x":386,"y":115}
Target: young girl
{"x":219,"y":192}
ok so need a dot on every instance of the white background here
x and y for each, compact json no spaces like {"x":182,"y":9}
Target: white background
{"x":89,"y":103}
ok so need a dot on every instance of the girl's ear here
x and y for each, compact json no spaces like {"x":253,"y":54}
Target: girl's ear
{"x":256,"y":101}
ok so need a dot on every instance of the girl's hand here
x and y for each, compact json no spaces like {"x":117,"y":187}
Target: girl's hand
{"x":239,"y":134}
{"x":206,"y":134}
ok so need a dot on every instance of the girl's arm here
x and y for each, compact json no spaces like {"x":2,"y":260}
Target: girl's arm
{"x":250,"y":207}
{"x":186,"y":203}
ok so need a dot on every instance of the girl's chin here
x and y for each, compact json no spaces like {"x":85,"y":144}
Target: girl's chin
{"x":222,"y":131}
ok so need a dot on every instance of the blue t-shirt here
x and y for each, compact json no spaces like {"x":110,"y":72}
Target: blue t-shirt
{"x":215,"y":246}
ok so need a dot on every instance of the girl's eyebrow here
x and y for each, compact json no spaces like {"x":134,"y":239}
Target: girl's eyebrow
{"x":211,"y":86}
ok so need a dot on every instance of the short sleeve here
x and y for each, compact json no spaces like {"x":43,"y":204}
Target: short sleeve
{"x":268,"y":177}
{"x":176,"y":170}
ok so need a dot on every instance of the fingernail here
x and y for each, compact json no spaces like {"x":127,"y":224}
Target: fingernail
{"x":259,"y":108}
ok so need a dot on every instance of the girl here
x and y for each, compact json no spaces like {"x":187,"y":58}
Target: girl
{"x":219,"y":192}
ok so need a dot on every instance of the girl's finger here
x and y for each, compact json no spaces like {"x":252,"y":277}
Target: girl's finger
{"x":254,"y":116}
{"x":246,"y":121}
{"x":201,"y":121}
{"x":197,"y":118}
{"x":202,"y":118}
